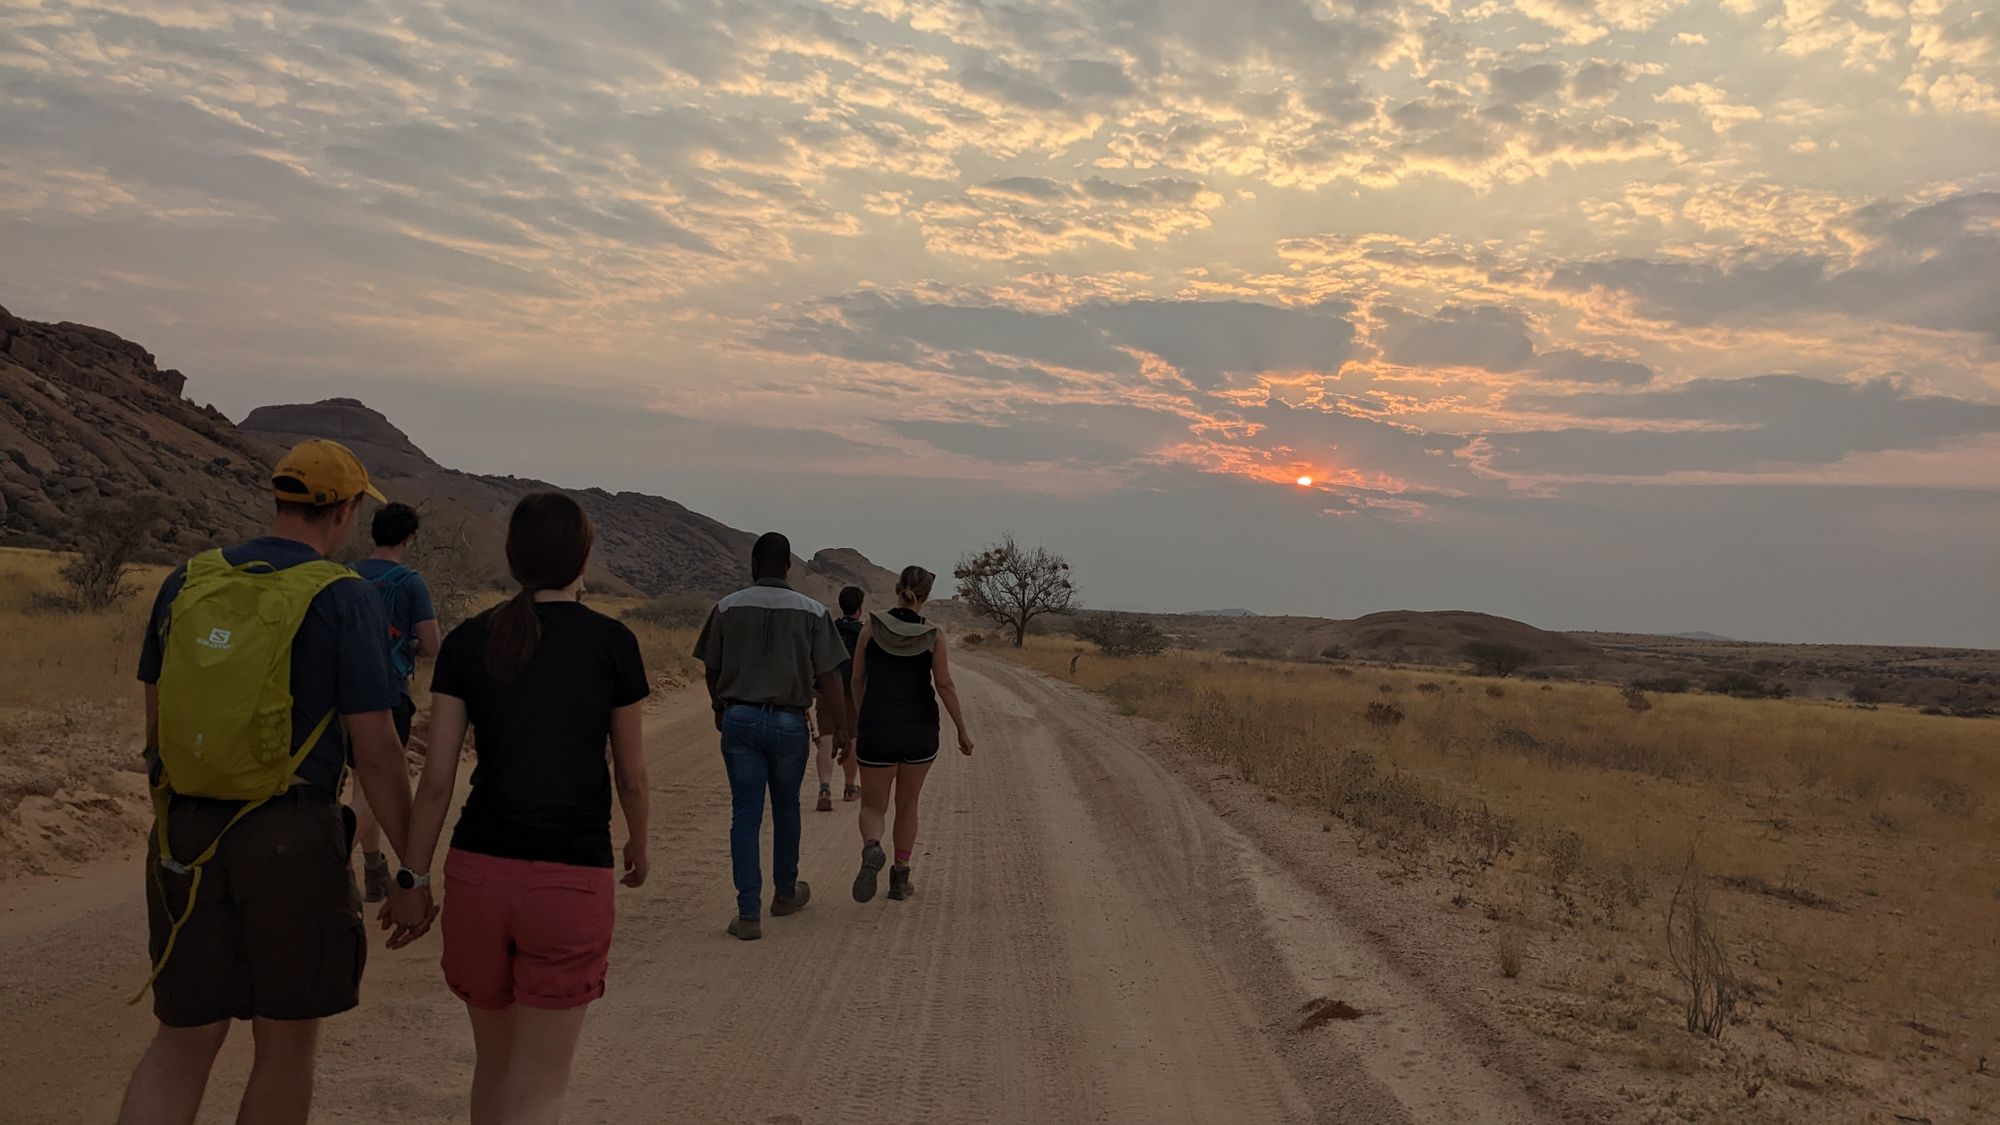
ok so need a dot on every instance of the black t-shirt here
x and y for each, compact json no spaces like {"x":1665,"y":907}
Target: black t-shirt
{"x":542,"y":787}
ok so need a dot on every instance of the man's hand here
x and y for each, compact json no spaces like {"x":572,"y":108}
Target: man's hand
{"x":636,"y":864}
{"x":407,"y":915}
{"x":718,"y":718}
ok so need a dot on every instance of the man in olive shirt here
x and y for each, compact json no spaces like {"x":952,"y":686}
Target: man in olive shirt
{"x":768,"y":649}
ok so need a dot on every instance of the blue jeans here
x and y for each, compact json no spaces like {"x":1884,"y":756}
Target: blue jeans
{"x":764,"y":750}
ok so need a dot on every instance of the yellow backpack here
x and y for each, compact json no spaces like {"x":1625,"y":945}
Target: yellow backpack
{"x":225,"y":692}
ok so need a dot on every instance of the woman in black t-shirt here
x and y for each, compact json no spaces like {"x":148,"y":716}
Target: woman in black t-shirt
{"x":544,"y":683}
{"x":901,"y":670}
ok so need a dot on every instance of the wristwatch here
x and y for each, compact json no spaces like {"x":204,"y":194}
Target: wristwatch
{"x":410,"y":880}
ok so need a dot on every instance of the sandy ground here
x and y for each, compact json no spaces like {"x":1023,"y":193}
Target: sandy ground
{"x":1090,"y":942}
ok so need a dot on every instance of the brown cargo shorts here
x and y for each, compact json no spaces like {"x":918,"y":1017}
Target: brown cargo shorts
{"x":276,"y":931}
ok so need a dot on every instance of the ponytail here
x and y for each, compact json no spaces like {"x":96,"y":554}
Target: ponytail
{"x":548,"y":545}
{"x":513,"y":632}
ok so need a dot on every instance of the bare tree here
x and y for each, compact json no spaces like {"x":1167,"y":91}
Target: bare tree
{"x":1011,"y":585}
{"x":459,"y":574}
{"x":107,"y":538}
{"x":1694,"y":946}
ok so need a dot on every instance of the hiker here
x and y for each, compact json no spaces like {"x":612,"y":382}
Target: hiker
{"x":265,"y":675}
{"x":901,"y":670}
{"x":767,"y":649}
{"x":544,"y":683}
{"x":412,"y":632}
{"x":849,"y":626}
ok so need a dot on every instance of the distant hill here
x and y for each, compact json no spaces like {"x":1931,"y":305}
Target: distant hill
{"x":89,"y":419}
{"x":1698,"y":635}
{"x":1222,"y":613}
{"x":1404,"y":636}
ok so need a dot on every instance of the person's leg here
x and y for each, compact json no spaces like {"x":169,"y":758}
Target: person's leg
{"x":749,"y":774}
{"x":909,"y":787}
{"x":790,"y":746}
{"x":168,"y":1083}
{"x":876,"y":783}
{"x":493,"y":1049}
{"x":281,"y":1076}
{"x":544,"y":1045}
{"x":823,"y":762}
{"x":368,"y":835}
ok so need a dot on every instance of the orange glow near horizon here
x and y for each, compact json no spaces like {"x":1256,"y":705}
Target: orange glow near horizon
{"x":1305,"y":482}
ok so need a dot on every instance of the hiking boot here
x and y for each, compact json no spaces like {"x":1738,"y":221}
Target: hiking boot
{"x":825,"y":798}
{"x":746,"y":929}
{"x":899,"y":883}
{"x":872,"y":862}
{"x":374,"y":876}
{"x":801,"y":894}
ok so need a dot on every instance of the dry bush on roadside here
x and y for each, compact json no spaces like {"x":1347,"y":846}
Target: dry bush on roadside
{"x":1428,"y":688}
{"x":1636,"y":701}
{"x":463,"y":580}
{"x":1694,"y":948}
{"x":107,"y":538}
{"x":1384,"y":714}
{"x":1495,"y":691}
{"x":1508,"y":948}
{"x":682,"y":609}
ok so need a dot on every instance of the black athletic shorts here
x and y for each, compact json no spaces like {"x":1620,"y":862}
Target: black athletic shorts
{"x":276,"y":931}
{"x":910,"y":743}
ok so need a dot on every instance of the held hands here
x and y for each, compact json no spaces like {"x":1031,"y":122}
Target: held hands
{"x":636,"y":864}
{"x":407,"y":915}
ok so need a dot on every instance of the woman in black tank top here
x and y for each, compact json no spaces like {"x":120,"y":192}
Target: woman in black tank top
{"x":901,"y":671}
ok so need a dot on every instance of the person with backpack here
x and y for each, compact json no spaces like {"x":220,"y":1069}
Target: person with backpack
{"x":265,"y":675}
{"x":412,"y":633}
{"x":902,"y":668}
{"x":546,"y":684}
{"x":848,"y":624}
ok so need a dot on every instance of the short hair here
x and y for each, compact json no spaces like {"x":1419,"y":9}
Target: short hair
{"x":316,"y":513}
{"x":850,"y":600}
{"x":394,"y":525}
{"x":771,"y":555}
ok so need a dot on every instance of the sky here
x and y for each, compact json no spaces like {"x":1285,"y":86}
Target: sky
{"x":1637,"y":314}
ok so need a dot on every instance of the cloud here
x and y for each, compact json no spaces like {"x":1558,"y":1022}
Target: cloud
{"x":1487,"y":337}
{"x":1033,"y":216}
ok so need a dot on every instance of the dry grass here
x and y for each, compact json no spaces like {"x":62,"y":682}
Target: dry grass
{"x":1855,"y":852}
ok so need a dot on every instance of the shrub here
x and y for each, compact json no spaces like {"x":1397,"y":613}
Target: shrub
{"x":1950,"y":797}
{"x":1694,"y":947}
{"x":1387,"y":689}
{"x":1636,"y":701}
{"x":1743,"y":685}
{"x":1333,"y":652}
{"x":1495,"y":691}
{"x":1495,"y":658}
{"x":1383,"y":714}
{"x":973,"y":640}
{"x":1430,"y":688}
{"x":682,"y":609}
{"x":107,"y":538}
{"x":1122,"y":634}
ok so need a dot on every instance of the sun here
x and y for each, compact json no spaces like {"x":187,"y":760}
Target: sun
{"x":1305,"y":482}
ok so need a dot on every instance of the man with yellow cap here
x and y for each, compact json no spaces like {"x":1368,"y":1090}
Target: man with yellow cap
{"x":265,"y":671}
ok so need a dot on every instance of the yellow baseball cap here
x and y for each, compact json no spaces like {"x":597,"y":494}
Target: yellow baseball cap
{"x":319,"y":473}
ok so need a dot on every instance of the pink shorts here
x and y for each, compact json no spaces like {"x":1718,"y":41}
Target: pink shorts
{"x":518,"y":931}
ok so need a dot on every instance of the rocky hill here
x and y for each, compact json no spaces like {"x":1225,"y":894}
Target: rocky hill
{"x":89,"y":421}
{"x":1404,"y":636}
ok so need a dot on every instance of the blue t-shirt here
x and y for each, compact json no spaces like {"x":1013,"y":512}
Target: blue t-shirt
{"x":339,"y":658}
{"x":407,"y":604}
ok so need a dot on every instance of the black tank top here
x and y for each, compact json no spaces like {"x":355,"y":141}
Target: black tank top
{"x":899,"y":686}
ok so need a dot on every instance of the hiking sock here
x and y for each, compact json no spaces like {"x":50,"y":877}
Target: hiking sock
{"x":375,"y":859}
{"x":903,"y":858}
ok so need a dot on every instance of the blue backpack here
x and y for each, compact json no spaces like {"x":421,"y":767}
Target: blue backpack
{"x":386,"y":586}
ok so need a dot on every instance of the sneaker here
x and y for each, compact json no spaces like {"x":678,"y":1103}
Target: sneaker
{"x":374,"y":876}
{"x":746,"y":929}
{"x":850,"y":793}
{"x":825,"y":798}
{"x":899,"y":883}
{"x":801,"y":895}
{"x":872,"y":862}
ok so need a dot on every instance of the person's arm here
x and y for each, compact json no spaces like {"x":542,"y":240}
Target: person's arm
{"x":628,"y":768}
{"x":429,"y":638}
{"x":708,"y":650}
{"x":433,"y":799}
{"x":948,"y":691}
{"x":833,"y":709}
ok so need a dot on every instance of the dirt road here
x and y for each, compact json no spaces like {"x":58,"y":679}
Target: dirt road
{"x":1089,"y":943}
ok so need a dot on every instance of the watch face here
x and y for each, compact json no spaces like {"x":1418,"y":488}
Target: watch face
{"x":406,"y":879}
